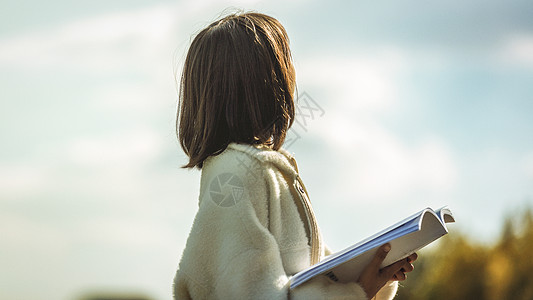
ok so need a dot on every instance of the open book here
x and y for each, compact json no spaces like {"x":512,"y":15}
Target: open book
{"x":405,"y":238}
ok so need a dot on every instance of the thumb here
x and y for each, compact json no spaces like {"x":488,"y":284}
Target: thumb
{"x":380,"y":256}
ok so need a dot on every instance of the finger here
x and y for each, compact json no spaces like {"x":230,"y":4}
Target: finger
{"x":408,"y":268}
{"x":411,"y":258}
{"x":399,"y":276}
{"x":380,"y":256}
{"x":389,"y":271}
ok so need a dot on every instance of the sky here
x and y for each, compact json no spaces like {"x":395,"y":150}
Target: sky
{"x":403,"y":105}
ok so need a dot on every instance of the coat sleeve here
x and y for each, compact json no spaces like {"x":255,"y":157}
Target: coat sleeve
{"x":387,"y":292}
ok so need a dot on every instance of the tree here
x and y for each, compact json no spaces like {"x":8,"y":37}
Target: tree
{"x":461,"y":269}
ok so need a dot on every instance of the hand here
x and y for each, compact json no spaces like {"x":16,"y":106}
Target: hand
{"x":372,"y":279}
{"x":400,"y":275}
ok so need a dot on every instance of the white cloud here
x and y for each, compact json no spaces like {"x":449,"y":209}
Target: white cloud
{"x":135,"y":148}
{"x":121,"y":40}
{"x":19,"y":232}
{"x":360,"y":81}
{"x":528,"y":166}
{"x":125,"y":232}
{"x":121,"y":167}
{"x":137,"y":39}
{"x":377,"y":164}
{"x":518,"y":50}
{"x":21,"y":180}
{"x":143,"y":97}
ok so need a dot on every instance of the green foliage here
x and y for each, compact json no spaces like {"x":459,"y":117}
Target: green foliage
{"x":462,"y":269}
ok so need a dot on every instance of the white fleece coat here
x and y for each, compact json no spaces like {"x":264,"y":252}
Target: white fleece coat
{"x":253,"y":230}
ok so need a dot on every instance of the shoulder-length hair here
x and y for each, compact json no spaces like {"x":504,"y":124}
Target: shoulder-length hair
{"x":237,"y":85}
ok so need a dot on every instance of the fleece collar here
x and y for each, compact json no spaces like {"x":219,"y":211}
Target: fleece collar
{"x":281,"y":159}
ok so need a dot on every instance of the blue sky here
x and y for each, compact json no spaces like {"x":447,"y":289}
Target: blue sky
{"x":425,"y":104}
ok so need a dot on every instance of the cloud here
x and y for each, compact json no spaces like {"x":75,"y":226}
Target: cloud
{"x":135,"y":148}
{"x":528,"y":166}
{"x":133,"y":231}
{"x":374,"y":161}
{"x":19,"y":232}
{"x":21,"y":180}
{"x":379,"y":166}
{"x":135,"y":39}
{"x":117,"y":41}
{"x":359,"y":81}
{"x":85,"y":164}
{"x":518,"y":50}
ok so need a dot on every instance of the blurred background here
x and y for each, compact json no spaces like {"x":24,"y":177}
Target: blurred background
{"x":404,"y":105}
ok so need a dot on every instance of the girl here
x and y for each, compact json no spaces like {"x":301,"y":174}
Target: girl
{"x":255,"y":226}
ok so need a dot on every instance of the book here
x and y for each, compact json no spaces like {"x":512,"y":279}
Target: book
{"x":405,"y":237}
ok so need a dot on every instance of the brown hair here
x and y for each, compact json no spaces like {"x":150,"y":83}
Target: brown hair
{"x":237,"y":85}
